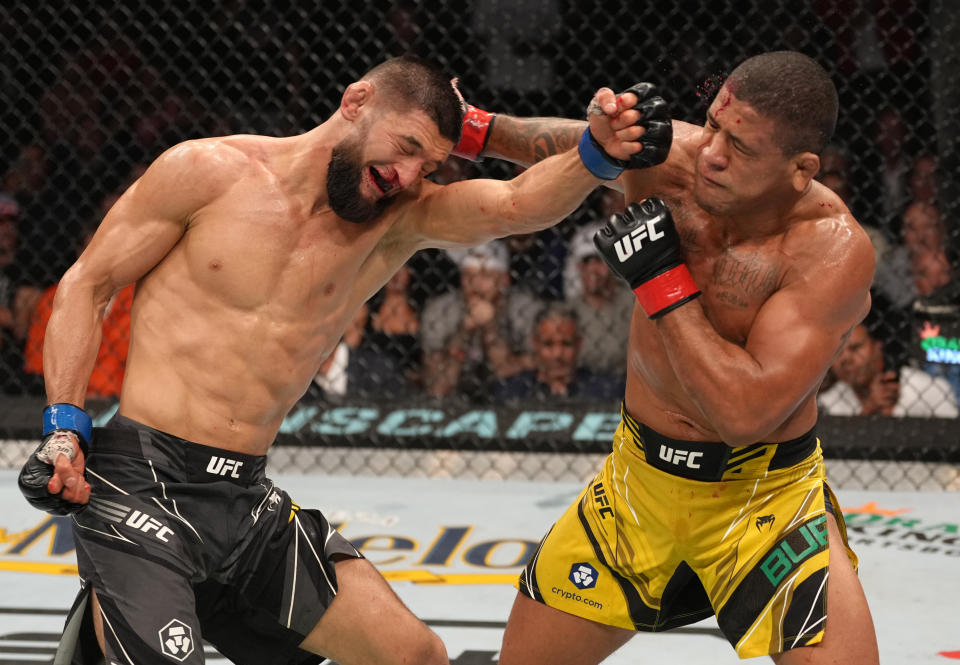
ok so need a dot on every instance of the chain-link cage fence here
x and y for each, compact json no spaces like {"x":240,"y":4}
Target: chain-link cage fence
{"x":95,"y":91}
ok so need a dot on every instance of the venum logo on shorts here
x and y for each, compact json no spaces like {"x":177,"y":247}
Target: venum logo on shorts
{"x":222,"y":466}
{"x":767,"y":521}
{"x":176,"y":640}
{"x":583,"y":575}
{"x":274,"y":501}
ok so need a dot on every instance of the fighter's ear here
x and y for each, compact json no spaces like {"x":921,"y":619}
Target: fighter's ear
{"x":806,"y":166}
{"x":355,"y":97}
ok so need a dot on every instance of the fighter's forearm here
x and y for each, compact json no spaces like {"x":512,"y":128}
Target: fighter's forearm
{"x":544,"y":194}
{"x":71,"y":343}
{"x":526,"y":141}
{"x":722,"y":379}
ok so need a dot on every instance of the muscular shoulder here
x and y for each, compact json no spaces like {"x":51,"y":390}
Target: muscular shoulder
{"x":192,"y":174}
{"x":211,"y":160}
{"x":827,"y":243}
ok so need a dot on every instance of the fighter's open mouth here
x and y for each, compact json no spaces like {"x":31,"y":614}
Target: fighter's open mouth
{"x":383,"y":184}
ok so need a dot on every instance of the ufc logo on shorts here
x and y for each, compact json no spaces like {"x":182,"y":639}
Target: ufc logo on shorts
{"x":600,"y":498}
{"x":680,"y":457}
{"x":147,"y":524}
{"x":221,"y":466}
{"x":631,"y":243}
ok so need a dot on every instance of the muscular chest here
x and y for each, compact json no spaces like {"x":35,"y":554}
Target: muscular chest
{"x":735,"y":279}
{"x":262,"y":253}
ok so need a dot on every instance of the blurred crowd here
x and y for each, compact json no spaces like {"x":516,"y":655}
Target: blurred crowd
{"x":524,"y":318}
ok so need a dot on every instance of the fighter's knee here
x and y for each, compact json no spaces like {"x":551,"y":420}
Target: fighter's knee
{"x":428,"y":650}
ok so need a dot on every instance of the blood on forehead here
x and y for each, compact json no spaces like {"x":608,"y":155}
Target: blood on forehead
{"x":724,"y":98}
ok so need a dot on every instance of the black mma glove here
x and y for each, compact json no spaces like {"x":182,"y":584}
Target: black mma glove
{"x":656,"y":140}
{"x":642,"y":246}
{"x":65,"y":428}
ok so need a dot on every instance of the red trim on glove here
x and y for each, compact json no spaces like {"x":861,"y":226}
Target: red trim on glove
{"x":474,"y":134}
{"x":666,"y":289}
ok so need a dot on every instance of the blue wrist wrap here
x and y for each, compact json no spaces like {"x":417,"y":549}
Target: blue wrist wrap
{"x":68,"y":416}
{"x":596,"y":159}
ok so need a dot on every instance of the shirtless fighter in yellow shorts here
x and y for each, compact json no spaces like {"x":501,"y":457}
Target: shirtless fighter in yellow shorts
{"x":749,"y":275}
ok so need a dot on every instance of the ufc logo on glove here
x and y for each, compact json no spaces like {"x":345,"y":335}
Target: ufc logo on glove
{"x":654,"y":270}
{"x":629,"y":244}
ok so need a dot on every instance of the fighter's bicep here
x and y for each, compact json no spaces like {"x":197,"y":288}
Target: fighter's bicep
{"x":153,"y":213}
{"x":128,"y":244}
{"x":798,"y":332}
{"x":463,"y":214}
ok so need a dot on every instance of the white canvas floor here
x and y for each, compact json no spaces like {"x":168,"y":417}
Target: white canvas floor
{"x":451,"y":549}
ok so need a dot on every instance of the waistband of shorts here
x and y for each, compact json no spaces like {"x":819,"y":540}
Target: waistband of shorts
{"x":196,"y":462}
{"x":715,"y":460}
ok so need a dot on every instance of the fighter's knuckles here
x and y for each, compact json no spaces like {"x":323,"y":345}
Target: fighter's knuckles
{"x":627,"y":101}
{"x":625,"y":119}
{"x":631,"y":133}
{"x":604,"y":94}
{"x":640,"y":91}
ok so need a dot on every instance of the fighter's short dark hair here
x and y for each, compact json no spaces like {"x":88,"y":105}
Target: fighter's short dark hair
{"x":413,"y":82}
{"x":795,"y":92}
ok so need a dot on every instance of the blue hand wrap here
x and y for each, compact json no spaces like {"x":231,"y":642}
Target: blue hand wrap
{"x":70,"y":417}
{"x":596,"y":159}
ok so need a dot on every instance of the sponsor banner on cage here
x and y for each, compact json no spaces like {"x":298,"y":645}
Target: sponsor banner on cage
{"x":452,"y":532}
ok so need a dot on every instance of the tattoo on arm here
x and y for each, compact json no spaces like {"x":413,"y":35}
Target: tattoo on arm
{"x":530,"y":140}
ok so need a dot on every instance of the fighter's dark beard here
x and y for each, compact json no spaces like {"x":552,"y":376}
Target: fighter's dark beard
{"x":343,"y":188}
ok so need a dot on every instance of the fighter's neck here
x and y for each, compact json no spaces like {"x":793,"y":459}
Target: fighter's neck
{"x":301,"y":162}
{"x":761,"y":222}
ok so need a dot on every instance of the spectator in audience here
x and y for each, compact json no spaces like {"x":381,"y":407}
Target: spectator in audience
{"x":911,"y":271}
{"x":601,"y":206}
{"x":393,"y":327}
{"x":924,"y":231}
{"x":925,"y":238}
{"x":887,"y":168}
{"x":556,"y":371}
{"x":16,"y":298}
{"x":866,"y":385}
{"x":479,"y":332}
{"x":107,"y":376}
{"x":357,"y":372}
{"x":603,"y":304}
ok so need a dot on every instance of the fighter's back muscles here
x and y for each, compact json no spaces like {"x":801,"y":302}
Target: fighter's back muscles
{"x":140,"y":229}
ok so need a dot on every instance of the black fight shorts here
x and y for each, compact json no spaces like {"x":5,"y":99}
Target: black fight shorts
{"x":184,"y":542}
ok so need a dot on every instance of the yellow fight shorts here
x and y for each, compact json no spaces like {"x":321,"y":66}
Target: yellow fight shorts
{"x":671,"y":532}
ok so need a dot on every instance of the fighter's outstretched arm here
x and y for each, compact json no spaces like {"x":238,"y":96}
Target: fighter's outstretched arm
{"x":526,"y":141}
{"x":627,"y":131}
